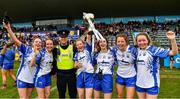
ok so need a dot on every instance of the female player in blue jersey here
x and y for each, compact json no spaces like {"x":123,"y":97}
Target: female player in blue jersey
{"x":43,"y":59}
{"x":8,"y":55}
{"x":25,"y":74}
{"x":104,"y":59}
{"x":85,"y":70}
{"x":148,"y":81}
{"x":126,"y":73}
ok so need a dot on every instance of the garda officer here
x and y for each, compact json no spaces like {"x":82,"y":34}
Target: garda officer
{"x":63,"y":66}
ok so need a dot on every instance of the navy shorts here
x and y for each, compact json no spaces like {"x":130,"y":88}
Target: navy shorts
{"x":84,"y":80}
{"x":43,"y":81}
{"x":128,"y":82}
{"x":105,"y":84}
{"x":21,"y":84}
{"x":151,"y":91}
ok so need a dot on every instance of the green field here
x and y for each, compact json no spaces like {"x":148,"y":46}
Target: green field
{"x":170,"y":85}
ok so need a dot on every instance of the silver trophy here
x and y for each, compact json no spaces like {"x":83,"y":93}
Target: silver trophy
{"x":88,"y":17}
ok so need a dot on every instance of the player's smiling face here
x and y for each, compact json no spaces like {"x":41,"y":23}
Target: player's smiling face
{"x":38,"y":43}
{"x":49,"y":45}
{"x":142,"y":41}
{"x":103,"y":44}
{"x":80,"y":45}
{"x":121,"y":43}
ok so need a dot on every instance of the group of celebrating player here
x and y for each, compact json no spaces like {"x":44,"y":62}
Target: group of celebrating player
{"x":137,"y":67}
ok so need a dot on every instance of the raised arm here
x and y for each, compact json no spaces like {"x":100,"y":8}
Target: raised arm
{"x":171,"y":36}
{"x":83,"y":36}
{"x":12,"y":36}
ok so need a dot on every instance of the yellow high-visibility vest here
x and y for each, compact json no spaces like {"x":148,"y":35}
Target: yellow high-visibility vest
{"x":65,"y":59}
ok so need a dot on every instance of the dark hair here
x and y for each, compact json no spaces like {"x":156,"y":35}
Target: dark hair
{"x":90,"y":33}
{"x":98,"y":46}
{"x":44,"y":42}
{"x":123,"y":36}
{"x":146,"y":35}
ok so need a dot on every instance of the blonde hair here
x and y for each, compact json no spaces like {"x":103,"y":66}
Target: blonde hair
{"x":80,"y":40}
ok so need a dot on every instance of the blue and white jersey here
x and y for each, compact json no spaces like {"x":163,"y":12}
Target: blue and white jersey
{"x":44,"y":61}
{"x":105,"y":62}
{"x":25,"y":72}
{"x":9,"y":57}
{"x":126,"y":61}
{"x":148,"y":66}
{"x":84,"y":57}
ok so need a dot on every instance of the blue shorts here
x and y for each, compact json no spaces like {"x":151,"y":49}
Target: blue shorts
{"x":128,"y":82}
{"x":7,"y":66}
{"x":84,"y":80}
{"x":21,"y":84}
{"x":43,"y":81}
{"x":105,"y":84}
{"x":151,"y":91}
